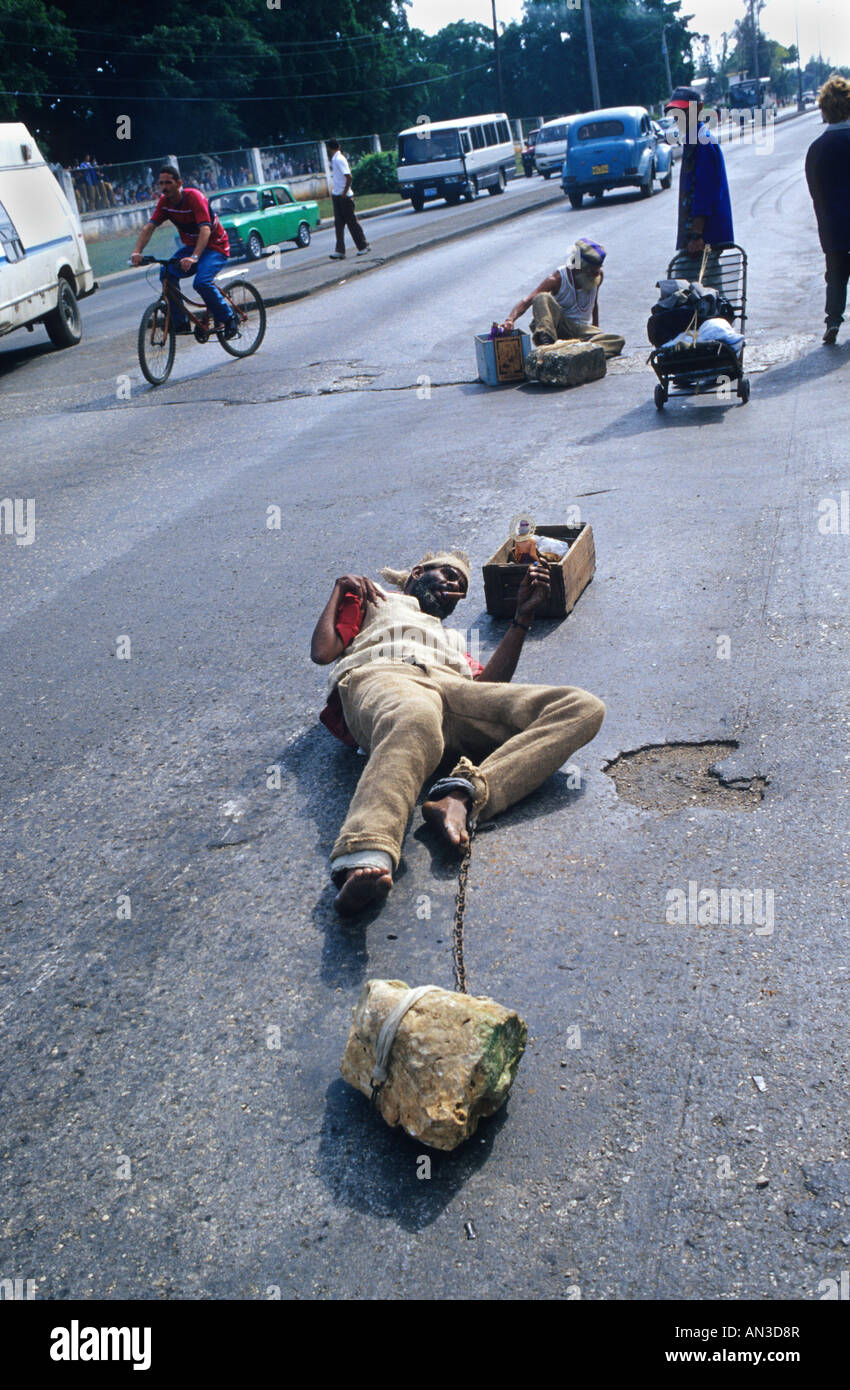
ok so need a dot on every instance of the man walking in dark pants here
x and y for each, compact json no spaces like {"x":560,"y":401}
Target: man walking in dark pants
{"x":343,"y":201}
{"x":828,"y":177}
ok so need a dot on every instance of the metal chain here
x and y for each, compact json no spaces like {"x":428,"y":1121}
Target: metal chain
{"x":460,"y":909}
{"x":457,"y":934}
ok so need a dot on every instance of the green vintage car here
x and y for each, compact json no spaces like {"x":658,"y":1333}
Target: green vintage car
{"x":263,"y":215}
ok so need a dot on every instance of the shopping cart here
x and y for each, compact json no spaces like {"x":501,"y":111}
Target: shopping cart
{"x":706,"y":368}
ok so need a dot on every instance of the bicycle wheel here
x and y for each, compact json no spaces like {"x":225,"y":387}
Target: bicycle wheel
{"x":156,"y":343}
{"x":247,"y":304}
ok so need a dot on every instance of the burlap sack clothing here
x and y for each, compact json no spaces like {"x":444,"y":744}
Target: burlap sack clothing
{"x":408,"y":718}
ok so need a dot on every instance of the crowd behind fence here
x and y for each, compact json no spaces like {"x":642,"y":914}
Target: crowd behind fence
{"x":103,"y":187}
{"x":291,"y":161}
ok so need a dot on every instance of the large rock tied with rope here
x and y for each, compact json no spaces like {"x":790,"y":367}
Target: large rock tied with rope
{"x":436,"y":1062}
{"x":566,"y":363}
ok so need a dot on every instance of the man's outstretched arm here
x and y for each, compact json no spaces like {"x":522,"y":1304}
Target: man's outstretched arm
{"x":533,"y":593}
{"x":548,"y":286}
{"x":326,"y":644}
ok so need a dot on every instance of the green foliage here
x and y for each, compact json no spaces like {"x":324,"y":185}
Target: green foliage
{"x":234,"y":73}
{"x":375,"y":173}
{"x":34,"y":37}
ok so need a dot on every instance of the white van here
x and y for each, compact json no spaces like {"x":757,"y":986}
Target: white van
{"x":550,"y":150}
{"x":44,"y":265}
{"x":455,"y":159}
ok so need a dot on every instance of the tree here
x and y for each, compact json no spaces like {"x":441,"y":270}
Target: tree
{"x":546,"y":64}
{"x":242,"y":72}
{"x":461,"y":60}
{"x":35,"y":37}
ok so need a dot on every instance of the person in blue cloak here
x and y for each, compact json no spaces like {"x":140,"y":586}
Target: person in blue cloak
{"x":705,"y":208}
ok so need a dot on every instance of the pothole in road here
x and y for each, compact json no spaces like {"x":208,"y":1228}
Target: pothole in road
{"x":669,"y":776}
{"x":355,"y":382}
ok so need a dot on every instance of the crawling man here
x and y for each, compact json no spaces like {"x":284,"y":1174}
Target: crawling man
{"x":405,"y":690}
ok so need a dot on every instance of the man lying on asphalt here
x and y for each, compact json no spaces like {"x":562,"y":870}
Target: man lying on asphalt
{"x":566,"y":304}
{"x":405,"y":689}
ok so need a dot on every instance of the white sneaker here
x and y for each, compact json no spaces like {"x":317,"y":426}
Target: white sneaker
{"x":366,"y":249}
{"x":337,"y":256}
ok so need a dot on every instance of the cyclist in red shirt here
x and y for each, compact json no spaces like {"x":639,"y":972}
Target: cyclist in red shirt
{"x":200,"y":230}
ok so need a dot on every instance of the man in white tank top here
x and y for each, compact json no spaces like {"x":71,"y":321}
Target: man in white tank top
{"x":404,"y":688}
{"x":566,"y":304}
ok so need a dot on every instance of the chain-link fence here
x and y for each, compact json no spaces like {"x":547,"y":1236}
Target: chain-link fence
{"x":102,"y":187}
{"x":99,"y":187}
{"x":291,"y":161}
{"x":108,"y":188}
{"x":355,"y":146}
{"x":530,"y":123}
{"x":212,"y":172}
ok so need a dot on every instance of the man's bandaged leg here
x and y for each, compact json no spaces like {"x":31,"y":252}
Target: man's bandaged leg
{"x":361,"y":859}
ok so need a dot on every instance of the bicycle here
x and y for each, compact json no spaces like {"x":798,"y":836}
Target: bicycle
{"x":157,"y":340}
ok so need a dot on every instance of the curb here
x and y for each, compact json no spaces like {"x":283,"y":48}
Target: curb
{"x":119,"y":277}
{"x":369,"y":212}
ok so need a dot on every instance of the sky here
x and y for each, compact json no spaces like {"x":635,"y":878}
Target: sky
{"x":824,"y":24}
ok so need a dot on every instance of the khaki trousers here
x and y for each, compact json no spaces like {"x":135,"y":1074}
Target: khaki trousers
{"x":549,"y":323}
{"x":408,"y":719}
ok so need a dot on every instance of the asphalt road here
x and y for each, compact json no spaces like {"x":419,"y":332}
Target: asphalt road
{"x":175,"y":1123}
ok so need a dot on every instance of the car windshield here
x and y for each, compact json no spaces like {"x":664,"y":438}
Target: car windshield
{"x":552,"y":134}
{"x":601,"y":130}
{"x":422,"y":149}
{"x":235,"y":202}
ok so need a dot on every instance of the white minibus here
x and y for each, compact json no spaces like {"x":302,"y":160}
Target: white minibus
{"x":455,"y":159}
{"x":44,"y":265}
{"x":550,"y":149}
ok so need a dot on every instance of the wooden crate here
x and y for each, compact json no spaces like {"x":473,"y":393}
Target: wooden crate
{"x":569,"y":578}
{"x":502,"y":359}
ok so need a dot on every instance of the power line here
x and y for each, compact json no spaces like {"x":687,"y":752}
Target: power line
{"x":230,"y":101}
{"x":151,"y":37}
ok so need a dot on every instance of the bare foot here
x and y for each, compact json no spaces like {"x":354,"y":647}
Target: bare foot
{"x":449,"y":816}
{"x":362,"y":887}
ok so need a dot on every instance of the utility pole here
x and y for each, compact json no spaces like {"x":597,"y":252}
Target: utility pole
{"x":498,"y":59}
{"x":666,"y":53}
{"x":800,"y":106}
{"x":754,"y":23}
{"x":591,"y":55}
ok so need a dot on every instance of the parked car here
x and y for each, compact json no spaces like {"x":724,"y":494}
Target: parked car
{"x":262,"y":216}
{"x":614,"y":148}
{"x":44,"y":264}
